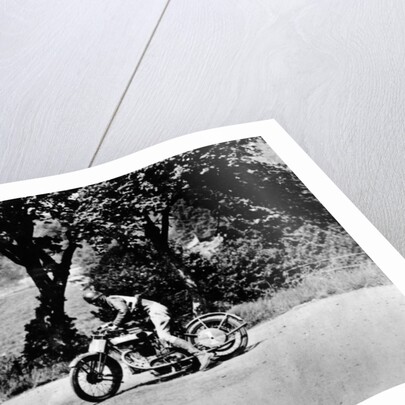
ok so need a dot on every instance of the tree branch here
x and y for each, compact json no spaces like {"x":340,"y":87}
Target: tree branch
{"x":67,"y":255}
{"x":45,"y":257}
{"x":165,"y":226}
{"x":152,"y":232}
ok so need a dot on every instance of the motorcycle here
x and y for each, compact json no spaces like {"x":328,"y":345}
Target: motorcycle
{"x":97,"y":374}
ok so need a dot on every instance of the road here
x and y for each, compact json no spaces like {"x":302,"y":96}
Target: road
{"x":340,"y":350}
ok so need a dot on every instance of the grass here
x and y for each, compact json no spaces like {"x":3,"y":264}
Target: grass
{"x":17,"y":310}
{"x":16,"y":379}
{"x":313,"y":287}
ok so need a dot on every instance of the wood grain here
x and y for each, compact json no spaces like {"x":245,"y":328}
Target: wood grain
{"x":63,"y":68}
{"x":330,"y":72}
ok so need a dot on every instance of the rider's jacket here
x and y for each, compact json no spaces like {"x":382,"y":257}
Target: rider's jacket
{"x":131,"y":305}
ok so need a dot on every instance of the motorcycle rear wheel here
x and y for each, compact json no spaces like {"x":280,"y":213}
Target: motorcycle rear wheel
{"x":93,"y":382}
{"x":214,"y":333}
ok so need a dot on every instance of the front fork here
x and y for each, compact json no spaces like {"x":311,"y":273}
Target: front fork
{"x":102,"y":357}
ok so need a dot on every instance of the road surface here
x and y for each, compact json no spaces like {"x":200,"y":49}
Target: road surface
{"x":339,"y":350}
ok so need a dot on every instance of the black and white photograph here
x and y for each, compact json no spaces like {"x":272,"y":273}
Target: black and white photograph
{"x":212,"y":276}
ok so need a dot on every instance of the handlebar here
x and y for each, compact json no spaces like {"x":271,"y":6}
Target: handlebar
{"x":105,"y":329}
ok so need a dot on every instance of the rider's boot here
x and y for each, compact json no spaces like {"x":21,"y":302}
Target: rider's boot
{"x":205,"y":360}
{"x":203,"y":357}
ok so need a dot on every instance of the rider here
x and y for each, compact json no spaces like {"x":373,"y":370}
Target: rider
{"x":158,"y":314}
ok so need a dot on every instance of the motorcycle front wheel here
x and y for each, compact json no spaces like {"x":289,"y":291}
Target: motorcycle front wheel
{"x":220,"y":333}
{"x":96,"y":377}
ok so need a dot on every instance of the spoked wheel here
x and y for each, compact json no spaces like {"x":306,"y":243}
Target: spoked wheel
{"x":96,"y":377}
{"x":221,"y":333}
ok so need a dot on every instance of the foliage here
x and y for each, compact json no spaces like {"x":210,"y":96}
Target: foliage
{"x":140,"y":271}
{"x":138,"y":226}
{"x":310,"y":248}
{"x":85,"y":257}
{"x":17,"y":376}
{"x":243,"y":196}
{"x":267,"y":218}
{"x":276,"y":244}
{"x":35,"y":234}
{"x":315,"y":286}
{"x":235,"y":274}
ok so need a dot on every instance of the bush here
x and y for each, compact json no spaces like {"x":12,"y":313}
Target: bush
{"x":237,"y":272}
{"x":246,"y":269}
{"x":242,"y":269}
{"x":141,"y":270}
{"x":17,"y":376}
{"x":314,"y":286}
{"x":311,"y":248}
{"x":85,"y":257}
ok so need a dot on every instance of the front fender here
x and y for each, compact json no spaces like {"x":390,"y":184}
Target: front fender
{"x":79,"y":358}
{"x":202,"y":317}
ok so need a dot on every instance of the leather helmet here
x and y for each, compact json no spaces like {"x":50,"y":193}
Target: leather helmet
{"x":92,"y":296}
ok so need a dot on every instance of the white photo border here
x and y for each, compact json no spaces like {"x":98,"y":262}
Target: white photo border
{"x":385,"y":256}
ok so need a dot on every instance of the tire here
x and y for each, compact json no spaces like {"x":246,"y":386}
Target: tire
{"x":85,"y":379}
{"x":210,"y":331}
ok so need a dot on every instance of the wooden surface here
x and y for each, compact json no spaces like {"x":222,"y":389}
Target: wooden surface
{"x":63,"y":68}
{"x":83,"y":83}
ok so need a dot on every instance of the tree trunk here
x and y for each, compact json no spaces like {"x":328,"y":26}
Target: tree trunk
{"x":160,"y":241}
{"x":51,"y":335}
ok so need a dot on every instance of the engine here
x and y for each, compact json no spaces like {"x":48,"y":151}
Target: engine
{"x":139,"y":341}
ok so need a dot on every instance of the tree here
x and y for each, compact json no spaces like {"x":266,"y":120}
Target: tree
{"x":141,"y":270}
{"x":244,"y":195}
{"x":36,"y":233}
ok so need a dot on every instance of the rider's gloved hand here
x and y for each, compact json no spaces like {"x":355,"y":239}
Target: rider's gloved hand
{"x":108,"y":327}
